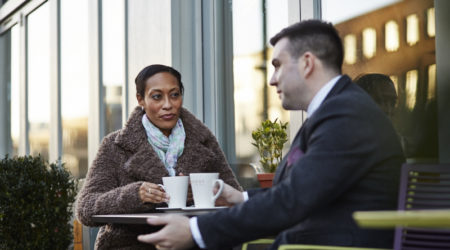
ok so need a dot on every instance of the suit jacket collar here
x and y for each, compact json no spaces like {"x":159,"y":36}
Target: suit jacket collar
{"x":282,"y":169}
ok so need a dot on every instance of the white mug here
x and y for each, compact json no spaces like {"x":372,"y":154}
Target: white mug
{"x":177,"y":188}
{"x":202,"y":188}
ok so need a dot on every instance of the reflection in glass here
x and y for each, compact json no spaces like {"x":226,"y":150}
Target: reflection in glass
{"x":369,"y":37}
{"x":431,"y":82}
{"x":15,"y":90}
{"x":412,"y":77}
{"x":74,"y":85}
{"x":113,"y":20}
{"x":39,"y":80}
{"x":415,"y":117}
{"x":254,"y":100}
{"x":412,"y":29}
{"x":431,"y":26}
{"x":350,"y":49}
{"x":392,"y":36}
{"x":149,"y":38}
{"x":395,"y":81}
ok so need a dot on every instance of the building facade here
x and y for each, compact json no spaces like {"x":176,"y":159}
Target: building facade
{"x":67,"y":67}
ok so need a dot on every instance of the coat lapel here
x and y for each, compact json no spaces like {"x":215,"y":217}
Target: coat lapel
{"x":291,"y":156}
{"x":298,"y":147}
{"x":144,"y":164}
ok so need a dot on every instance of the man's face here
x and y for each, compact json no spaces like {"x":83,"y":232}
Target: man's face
{"x":287,"y":77}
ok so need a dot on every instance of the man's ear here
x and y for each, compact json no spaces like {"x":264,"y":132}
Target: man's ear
{"x":308,"y":64}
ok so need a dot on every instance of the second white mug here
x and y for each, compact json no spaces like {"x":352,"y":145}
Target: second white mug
{"x":202,"y":188}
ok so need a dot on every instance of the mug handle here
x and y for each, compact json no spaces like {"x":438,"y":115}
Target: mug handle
{"x":162,"y":186}
{"x":220,"y":182}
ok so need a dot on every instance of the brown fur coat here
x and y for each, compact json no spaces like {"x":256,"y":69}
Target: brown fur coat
{"x":125,"y":160}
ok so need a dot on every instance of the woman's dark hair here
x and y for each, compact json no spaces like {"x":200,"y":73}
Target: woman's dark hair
{"x":152,"y":70}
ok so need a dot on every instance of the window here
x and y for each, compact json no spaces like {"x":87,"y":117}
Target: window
{"x":431,"y":82}
{"x":254,"y":100}
{"x":369,"y":37}
{"x":39,"y":81}
{"x":412,"y":69}
{"x":149,"y":38}
{"x":412,"y":29}
{"x":431,"y":24}
{"x":350,"y":49}
{"x":392,"y":41}
{"x":412,"y":78}
{"x":74,"y":85}
{"x":15,"y":90}
{"x":113,"y":62}
{"x":395,"y":81}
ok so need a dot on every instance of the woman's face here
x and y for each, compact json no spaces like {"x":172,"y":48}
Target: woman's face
{"x":162,"y":101}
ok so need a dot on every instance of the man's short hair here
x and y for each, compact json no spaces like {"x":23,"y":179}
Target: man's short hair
{"x":317,"y":37}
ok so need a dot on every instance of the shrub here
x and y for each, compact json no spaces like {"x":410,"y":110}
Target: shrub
{"x":35,"y":204}
{"x":269,"y":139}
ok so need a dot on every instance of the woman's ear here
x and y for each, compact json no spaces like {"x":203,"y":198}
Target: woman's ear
{"x":140,"y":99}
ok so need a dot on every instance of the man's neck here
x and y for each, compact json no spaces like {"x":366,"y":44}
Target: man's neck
{"x":317,"y":81}
{"x":321,"y":94}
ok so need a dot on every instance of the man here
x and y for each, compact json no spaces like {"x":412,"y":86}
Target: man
{"x":346,"y":157}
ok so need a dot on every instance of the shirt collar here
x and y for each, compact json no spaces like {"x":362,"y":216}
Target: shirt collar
{"x":320,"y":96}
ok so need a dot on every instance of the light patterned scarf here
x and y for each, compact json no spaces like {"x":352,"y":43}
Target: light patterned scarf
{"x":167,"y":148}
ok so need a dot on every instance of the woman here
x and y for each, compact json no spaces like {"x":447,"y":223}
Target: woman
{"x":160,"y":139}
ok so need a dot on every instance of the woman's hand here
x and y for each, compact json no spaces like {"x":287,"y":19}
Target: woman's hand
{"x":229,"y":197}
{"x":151,"y":192}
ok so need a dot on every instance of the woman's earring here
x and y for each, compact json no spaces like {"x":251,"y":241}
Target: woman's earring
{"x":142,"y":107}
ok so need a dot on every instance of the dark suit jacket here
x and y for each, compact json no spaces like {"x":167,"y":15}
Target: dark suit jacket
{"x":346,"y":157}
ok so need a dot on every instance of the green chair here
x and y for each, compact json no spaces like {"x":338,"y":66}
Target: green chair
{"x":259,"y":242}
{"x":318,"y":247}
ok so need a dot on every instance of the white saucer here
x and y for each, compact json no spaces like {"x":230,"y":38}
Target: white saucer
{"x":170,"y":208}
{"x":201,"y":208}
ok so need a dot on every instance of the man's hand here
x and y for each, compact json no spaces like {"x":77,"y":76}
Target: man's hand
{"x":229,"y":197}
{"x":175,"y":235}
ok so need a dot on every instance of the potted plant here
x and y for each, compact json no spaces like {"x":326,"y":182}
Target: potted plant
{"x":35,"y":204}
{"x":269,"y":139}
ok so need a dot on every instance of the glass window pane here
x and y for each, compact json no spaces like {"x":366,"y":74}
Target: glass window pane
{"x":350,"y":49}
{"x":431,"y":26}
{"x":412,"y":71}
{"x":74,"y":85}
{"x":431,"y":82}
{"x":412,"y":29}
{"x":113,"y":61}
{"x":392,"y":36}
{"x":395,"y":81}
{"x":39,"y":80}
{"x":15,"y":90}
{"x":254,"y":99}
{"x":412,"y":77}
{"x":149,"y":38}
{"x":369,"y":42}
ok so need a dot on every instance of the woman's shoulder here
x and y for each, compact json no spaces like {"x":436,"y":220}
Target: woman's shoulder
{"x":192,"y":125}
{"x":110,"y":139}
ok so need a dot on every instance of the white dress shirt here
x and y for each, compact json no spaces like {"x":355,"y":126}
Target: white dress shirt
{"x":313,"y":106}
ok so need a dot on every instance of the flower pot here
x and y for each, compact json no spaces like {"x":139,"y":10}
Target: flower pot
{"x":265,"y":179}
